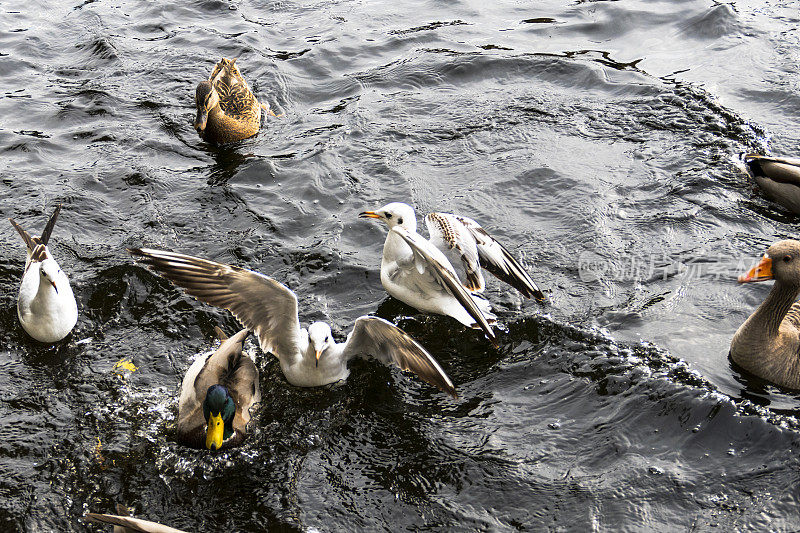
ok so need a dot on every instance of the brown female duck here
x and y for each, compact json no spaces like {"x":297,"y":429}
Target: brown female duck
{"x":768,"y":343}
{"x":778,"y":177}
{"x":227,"y":110}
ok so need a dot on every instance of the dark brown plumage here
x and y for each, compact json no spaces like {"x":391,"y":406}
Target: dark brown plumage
{"x":227,"y":110}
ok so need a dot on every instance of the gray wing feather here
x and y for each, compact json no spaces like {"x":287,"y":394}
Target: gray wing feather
{"x":376,"y":337}
{"x":499,"y":261}
{"x":221,"y":364}
{"x":29,"y":242}
{"x":130,"y":524}
{"x":447,"y":276}
{"x":793,"y":316}
{"x":48,"y":229}
{"x":32,"y":242}
{"x":260,"y":303}
{"x":243,"y":385}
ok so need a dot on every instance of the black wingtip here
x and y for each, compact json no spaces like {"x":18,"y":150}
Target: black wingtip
{"x":48,"y":229}
{"x":29,"y":241}
{"x":490,"y":336}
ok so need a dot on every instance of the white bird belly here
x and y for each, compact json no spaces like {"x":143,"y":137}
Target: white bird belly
{"x":305,"y":374}
{"x":45,"y":319}
{"x":410,"y":288}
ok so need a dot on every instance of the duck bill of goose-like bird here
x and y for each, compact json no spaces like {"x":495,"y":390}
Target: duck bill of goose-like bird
{"x":217,"y":395}
{"x":46,"y":306}
{"x":778,"y":177}
{"x":308,"y":358}
{"x":124,"y":523}
{"x":768,"y":342}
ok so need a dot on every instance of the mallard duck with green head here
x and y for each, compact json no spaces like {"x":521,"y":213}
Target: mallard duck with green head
{"x":217,"y":393}
{"x":227,"y":110}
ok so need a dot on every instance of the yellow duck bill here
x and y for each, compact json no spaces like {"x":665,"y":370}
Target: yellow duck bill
{"x":216,"y":428}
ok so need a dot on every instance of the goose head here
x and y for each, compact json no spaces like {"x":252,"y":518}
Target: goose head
{"x":781,"y":263}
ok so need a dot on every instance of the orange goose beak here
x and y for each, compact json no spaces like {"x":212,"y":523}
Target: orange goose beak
{"x":761,"y":272}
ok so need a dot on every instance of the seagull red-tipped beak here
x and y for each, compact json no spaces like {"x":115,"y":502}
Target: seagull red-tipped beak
{"x":318,"y":354}
{"x":368,"y":214}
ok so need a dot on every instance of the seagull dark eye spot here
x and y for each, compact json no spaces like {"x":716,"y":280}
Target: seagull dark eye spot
{"x":327,"y":339}
{"x":399,"y":220}
{"x":389,"y":216}
{"x":787,"y":258}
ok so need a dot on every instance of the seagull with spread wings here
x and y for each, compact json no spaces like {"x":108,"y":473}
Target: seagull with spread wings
{"x":308,"y":357}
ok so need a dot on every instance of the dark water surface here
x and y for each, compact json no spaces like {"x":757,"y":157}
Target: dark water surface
{"x":599,"y":140}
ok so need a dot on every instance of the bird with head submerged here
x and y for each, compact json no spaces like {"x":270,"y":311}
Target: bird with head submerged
{"x":778,"y":177}
{"x":46,"y":306}
{"x":427,"y":273}
{"x":217,"y":394}
{"x":768,"y":343}
{"x":308,"y":358}
{"x":227,"y":110}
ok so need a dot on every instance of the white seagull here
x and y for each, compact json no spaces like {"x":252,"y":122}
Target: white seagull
{"x":308,"y":358}
{"x":46,"y":306}
{"x":428,"y":274}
